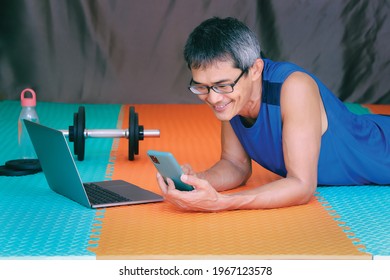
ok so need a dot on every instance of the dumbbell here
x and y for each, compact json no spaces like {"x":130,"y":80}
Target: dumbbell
{"x":78,"y":133}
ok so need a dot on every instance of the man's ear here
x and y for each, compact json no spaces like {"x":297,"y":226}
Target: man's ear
{"x":257,"y":69}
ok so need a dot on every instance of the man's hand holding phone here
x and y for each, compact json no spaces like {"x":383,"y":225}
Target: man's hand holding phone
{"x":181,"y":187}
{"x":168,"y":167}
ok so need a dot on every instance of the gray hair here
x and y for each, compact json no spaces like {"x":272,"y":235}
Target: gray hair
{"x":222,"y":40}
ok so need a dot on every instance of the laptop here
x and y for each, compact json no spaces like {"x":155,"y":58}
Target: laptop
{"x":63,"y":177}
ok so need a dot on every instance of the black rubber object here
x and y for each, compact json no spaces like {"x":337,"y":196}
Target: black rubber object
{"x":24,"y":164}
{"x":76,"y":133}
{"x":133,"y":136}
{"x":20,"y":167}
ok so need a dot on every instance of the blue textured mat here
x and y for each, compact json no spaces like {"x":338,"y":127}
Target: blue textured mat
{"x":35,"y":221}
{"x":365,"y":210}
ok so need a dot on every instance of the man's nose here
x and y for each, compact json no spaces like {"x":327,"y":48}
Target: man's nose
{"x":214,"y":97}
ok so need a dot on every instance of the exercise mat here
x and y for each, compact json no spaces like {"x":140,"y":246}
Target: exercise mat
{"x":158,"y":231}
{"x":339,"y":222}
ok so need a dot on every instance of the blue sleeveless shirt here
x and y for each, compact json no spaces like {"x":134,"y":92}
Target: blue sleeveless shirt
{"x":355,"y":149}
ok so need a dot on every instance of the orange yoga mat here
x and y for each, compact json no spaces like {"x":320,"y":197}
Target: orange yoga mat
{"x":378,"y":108}
{"x":160,"y":231}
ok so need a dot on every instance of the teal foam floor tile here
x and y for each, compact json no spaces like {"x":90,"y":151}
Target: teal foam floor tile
{"x":365,"y":210}
{"x":35,"y":221}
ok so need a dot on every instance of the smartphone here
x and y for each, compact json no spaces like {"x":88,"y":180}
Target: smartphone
{"x":168,"y":167}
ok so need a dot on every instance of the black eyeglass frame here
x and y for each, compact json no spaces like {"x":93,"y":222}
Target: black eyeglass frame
{"x":193,"y":89}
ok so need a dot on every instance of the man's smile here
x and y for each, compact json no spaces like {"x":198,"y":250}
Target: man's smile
{"x":221,"y":107}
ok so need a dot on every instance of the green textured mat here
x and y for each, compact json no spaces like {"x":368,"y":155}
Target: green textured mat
{"x":357,"y":109}
{"x":34,"y":220}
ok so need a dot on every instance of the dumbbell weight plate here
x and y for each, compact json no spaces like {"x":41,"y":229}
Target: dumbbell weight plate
{"x":72,"y":133}
{"x":78,"y":137}
{"x":7,"y":171}
{"x":80,"y":133}
{"x":20,"y":167}
{"x":133,"y":134}
{"x":136,"y":131}
{"x":24,"y":164}
{"x":139,"y":134}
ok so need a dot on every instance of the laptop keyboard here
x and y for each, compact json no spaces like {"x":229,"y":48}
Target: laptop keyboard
{"x":99,"y":195}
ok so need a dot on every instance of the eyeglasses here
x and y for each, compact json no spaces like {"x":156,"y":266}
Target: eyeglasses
{"x":219,"y":88}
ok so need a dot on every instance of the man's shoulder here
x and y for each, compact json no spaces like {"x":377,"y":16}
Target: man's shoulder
{"x":278,"y":71}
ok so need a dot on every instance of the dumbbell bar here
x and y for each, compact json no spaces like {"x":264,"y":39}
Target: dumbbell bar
{"x":77,"y":133}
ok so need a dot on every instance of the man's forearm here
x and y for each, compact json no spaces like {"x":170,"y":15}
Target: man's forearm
{"x":225,"y":176}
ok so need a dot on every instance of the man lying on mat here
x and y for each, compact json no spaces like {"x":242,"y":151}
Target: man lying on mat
{"x":278,"y":115}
